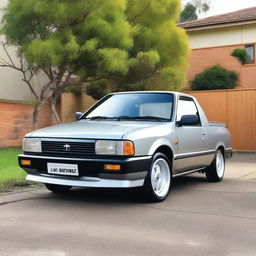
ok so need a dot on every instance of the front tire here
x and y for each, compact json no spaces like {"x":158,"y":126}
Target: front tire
{"x":158,"y":181}
{"x":58,"y":189}
{"x":216,"y":170}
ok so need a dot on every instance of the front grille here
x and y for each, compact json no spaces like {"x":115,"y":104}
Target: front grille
{"x":68,"y":148}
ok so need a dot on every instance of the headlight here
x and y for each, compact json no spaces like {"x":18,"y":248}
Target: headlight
{"x":112,"y":147}
{"x":31,"y":145}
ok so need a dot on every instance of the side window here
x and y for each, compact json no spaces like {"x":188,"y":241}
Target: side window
{"x":186,"y":106}
{"x":251,"y":52}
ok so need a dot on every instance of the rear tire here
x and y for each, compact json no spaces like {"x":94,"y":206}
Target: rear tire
{"x":216,"y":170}
{"x":158,"y":181}
{"x":58,"y":189}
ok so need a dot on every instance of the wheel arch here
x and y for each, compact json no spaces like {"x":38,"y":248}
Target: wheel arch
{"x":167,"y":151}
{"x":222,"y":149}
{"x":220,"y":146}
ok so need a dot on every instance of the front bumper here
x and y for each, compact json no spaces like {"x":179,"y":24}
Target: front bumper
{"x":91,"y":171}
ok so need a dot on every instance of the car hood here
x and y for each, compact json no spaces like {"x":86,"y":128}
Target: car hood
{"x":86,"y":129}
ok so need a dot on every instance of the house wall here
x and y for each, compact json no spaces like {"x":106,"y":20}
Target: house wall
{"x":201,"y":59}
{"x":11,"y":85}
{"x":222,"y":36}
{"x":210,"y":47}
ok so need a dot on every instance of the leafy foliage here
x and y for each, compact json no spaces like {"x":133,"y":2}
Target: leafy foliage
{"x":188,"y":13}
{"x":215,"y":78}
{"x":241,"y":54}
{"x":124,"y":42}
{"x":202,"y":6}
{"x":74,"y":88}
{"x":193,"y":9}
{"x":99,"y":88}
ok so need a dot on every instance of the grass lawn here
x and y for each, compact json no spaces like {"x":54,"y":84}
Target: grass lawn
{"x":10,"y":172}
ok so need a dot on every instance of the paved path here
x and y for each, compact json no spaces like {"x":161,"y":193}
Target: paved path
{"x":198,"y":218}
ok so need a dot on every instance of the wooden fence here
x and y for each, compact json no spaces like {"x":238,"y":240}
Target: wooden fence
{"x":236,"y":108}
{"x":71,"y":103}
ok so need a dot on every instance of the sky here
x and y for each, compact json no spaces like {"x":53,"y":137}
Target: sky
{"x":224,"y":6}
{"x":217,"y":6}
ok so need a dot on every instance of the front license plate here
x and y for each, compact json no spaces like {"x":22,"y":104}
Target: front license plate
{"x":63,"y":169}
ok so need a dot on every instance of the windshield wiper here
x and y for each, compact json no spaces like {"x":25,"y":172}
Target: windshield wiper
{"x":154,"y":118}
{"x":119,"y":118}
{"x":100,"y":117}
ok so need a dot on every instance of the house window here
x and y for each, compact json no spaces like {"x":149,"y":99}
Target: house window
{"x":251,"y":53}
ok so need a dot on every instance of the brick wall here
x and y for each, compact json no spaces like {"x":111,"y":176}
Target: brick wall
{"x":201,"y":59}
{"x":16,"y":121}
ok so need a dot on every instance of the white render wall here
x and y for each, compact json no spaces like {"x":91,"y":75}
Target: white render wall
{"x":242,"y":34}
{"x":11,"y":86}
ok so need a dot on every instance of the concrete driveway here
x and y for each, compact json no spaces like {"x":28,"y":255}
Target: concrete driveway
{"x":198,"y":218}
{"x":242,"y":166}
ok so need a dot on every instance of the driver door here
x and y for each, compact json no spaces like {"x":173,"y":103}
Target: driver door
{"x":192,"y":139}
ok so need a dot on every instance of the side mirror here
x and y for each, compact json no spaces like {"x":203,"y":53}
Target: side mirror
{"x":78,"y":115}
{"x":188,"y":120}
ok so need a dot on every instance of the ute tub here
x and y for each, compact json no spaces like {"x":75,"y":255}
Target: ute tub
{"x":217,"y":124}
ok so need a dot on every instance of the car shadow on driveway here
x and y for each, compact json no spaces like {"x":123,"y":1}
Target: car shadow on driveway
{"x":132,"y":195}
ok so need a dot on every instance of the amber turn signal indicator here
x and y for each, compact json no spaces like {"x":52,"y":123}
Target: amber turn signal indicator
{"x":112,"y":167}
{"x":25,"y":162}
{"x":128,"y":148}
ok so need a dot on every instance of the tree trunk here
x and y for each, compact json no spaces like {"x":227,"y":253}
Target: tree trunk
{"x":59,"y":86}
{"x":54,"y":111}
{"x":36,"y":115}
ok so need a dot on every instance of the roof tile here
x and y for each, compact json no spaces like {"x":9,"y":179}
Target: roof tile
{"x":237,"y":16}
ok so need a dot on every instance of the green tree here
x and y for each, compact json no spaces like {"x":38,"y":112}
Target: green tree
{"x":202,"y":6}
{"x":119,"y":44}
{"x":193,"y":9}
{"x":188,"y":13}
{"x":159,"y":52}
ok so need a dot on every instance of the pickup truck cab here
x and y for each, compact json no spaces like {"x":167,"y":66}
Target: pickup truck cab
{"x":129,"y":139}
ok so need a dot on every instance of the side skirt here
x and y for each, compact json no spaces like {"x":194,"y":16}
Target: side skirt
{"x":188,"y":172}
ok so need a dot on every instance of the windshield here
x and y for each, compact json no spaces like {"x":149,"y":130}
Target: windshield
{"x":140,"y":106}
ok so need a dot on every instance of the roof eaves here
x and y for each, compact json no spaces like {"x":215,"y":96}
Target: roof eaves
{"x":219,"y":24}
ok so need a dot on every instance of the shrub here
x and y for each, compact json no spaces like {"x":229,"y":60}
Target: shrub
{"x":241,"y":54}
{"x":215,"y":78}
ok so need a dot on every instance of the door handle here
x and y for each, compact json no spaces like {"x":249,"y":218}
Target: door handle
{"x":203,"y":135}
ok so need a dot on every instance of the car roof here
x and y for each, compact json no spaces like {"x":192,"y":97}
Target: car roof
{"x":168,"y":92}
